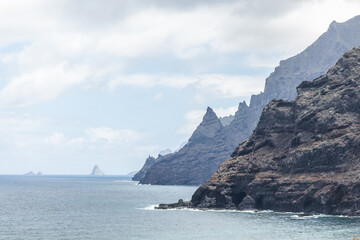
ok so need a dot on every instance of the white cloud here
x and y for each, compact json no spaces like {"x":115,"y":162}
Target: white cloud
{"x":111,"y":135}
{"x":97,"y":136}
{"x":65,"y":49}
{"x":56,"y":138}
{"x":43,"y":84}
{"x":152,"y":80}
{"x":216,"y":85}
{"x":230,"y":86}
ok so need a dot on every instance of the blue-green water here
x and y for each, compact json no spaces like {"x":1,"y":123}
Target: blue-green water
{"x":111,"y":208}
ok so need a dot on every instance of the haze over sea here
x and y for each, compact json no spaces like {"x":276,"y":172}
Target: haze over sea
{"x":84,"y":207}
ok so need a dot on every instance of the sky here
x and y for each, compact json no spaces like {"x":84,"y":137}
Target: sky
{"x":85,"y":82}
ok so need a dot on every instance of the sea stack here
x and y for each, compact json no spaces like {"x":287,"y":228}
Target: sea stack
{"x":303,"y":156}
{"x":97,"y":171}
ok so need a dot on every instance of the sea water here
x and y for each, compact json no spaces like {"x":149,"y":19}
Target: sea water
{"x":78,"y":207}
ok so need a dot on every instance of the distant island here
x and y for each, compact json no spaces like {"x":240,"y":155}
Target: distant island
{"x":31,"y":173}
{"x":97,"y":171}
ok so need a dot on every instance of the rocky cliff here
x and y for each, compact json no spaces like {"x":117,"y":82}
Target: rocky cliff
{"x":281,"y":84}
{"x":314,"y":61}
{"x":197,"y":160}
{"x":304,"y":155}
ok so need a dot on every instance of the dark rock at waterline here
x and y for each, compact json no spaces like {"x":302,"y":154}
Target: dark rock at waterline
{"x":304,"y":155}
{"x":180,"y":204}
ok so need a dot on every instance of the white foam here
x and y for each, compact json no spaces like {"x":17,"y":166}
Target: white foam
{"x":151,"y":207}
{"x":315,"y":216}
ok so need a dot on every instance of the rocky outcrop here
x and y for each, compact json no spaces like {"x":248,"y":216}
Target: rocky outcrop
{"x":97,"y":171}
{"x":197,"y":160}
{"x":281,"y":84}
{"x":150,"y":161}
{"x":304,"y":155}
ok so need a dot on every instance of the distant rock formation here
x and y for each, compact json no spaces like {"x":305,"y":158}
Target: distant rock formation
{"x":97,"y":171}
{"x":39,"y":173}
{"x":31,"y":173}
{"x":304,"y":155}
{"x":194,"y":162}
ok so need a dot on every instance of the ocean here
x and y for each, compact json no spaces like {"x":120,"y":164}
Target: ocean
{"x":85,"y":207}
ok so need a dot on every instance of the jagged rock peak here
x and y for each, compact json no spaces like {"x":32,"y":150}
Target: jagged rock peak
{"x":242,"y":108}
{"x":242,"y":105}
{"x":209,"y":127}
{"x":209,"y":115}
{"x":197,"y":160}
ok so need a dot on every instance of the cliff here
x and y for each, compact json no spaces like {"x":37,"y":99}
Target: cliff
{"x":311,"y":63}
{"x":281,"y":84}
{"x":197,"y":160}
{"x":303,"y":156}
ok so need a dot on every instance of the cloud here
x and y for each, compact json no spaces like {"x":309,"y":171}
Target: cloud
{"x":43,"y":84}
{"x":90,"y":43}
{"x":111,"y":135}
{"x":56,"y":138}
{"x":96,"y":136}
{"x":152,"y":80}
{"x":49,"y":48}
{"x":216,"y":85}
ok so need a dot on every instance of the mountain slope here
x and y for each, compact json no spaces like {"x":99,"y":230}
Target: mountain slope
{"x":303,"y":156}
{"x":197,"y":160}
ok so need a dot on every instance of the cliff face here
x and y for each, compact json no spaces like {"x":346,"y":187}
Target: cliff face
{"x":314,"y":61}
{"x":148,"y":163}
{"x":281,"y":84}
{"x":304,"y":155}
{"x":197,"y":160}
